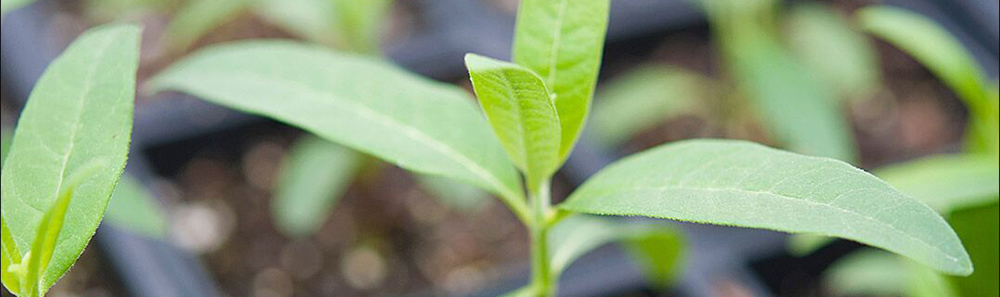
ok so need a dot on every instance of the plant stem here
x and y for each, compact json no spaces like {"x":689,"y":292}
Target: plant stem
{"x":541,"y":280}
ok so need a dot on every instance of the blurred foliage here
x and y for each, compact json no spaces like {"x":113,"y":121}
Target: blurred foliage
{"x":133,"y":208}
{"x":312,"y":179}
{"x":826,"y":41}
{"x":10,"y":5}
{"x":646,"y":98}
{"x":4,"y":145}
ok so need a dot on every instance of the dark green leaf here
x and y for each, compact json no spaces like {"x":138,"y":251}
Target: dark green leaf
{"x":979,"y":228}
{"x":748,"y":185}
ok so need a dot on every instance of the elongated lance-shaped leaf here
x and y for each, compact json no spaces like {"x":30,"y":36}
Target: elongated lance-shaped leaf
{"x":313,"y":178}
{"x":134,"y":209}
{"x":934,"y":47}
{"x":80,"y":111}
{"x":837,"y":52}
{"x":947,"y":183}
{"x":44,"y":246}
{"x":563,"y":41}
{"x":522,"y":114}
{"x":359,"y":102}
{"x":799,"y":110}
{"x":748,"y":185}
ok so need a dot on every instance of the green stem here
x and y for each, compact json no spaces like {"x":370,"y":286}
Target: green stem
{"x":541,"y":280}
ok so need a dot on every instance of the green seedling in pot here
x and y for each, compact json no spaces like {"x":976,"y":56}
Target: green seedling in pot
{"x":535,"y":108}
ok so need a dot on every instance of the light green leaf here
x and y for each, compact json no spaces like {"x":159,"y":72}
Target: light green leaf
{"x":828,"y":44}
{"x":796,"y":107}
{"x":359,"y":102}
{"x":11,"y":257}
{"x":748,"y":185}
{"x":314,"y":20}
{"x":867,"y":273}
{"x":43,"y":248}
{"x":134,"y":209}
{"x":643,"y":99}
{"x":947,"y":183}
{"x":454,"y":195}
{"x":199,"y":17}
{"x":523,"y":292}
{"x":933,"y":46}
{"x":360,"y":23}
{"x":660,"y":254}
{"x":522,"y":114}
{"x":979,"y":229}
{"x":658,"y":247}
{"x":805,"y":244}
{"x":10,"y":5}
{"x":4,"y":146}
{"x":313,"y":177}
{"x":563,"y":41}
{"x":79,"y":111}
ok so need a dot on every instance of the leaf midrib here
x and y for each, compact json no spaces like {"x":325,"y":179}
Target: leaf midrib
{"x":804,"y":200}
{"x":554,"y":49}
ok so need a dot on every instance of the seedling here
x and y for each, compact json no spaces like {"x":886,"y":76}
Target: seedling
{"x":536,"y":108}
{"x":68,"y":152}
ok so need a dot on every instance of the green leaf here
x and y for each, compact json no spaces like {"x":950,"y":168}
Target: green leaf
{"x":522,"y":114}
{"x":867,"y":273}
{"x":199,"y":17}
{"x":43,"y":248}
{"x":80,"y":111}
{"x":4,"y":146}
{"x":456,"y":196}
{"x":933,"y":46}
{"x":748,"y":185}
{"x":979,"y":229}
{"x":660,"y":254}
{"x":360,"y":23}
{"x":563,"y":41}
{"x":947,"y":183}
{"x":11,"y":257}
{"x":644,"y":99}
{"x":796,"y":107}
{"x":10,"y":5}
{"x":313,"y":20}
{"x":805,"y":244}
{"x":313,"y":177}
{"x":827,"y":43}
{"x":659,"y":248}
{"x":523,"y":292}
{"x":111,"y":10}
{"x":134,"y":209}
{"x":359,"y":102}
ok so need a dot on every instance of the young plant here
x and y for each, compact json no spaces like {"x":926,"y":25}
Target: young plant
{"x":68,"y":152}
{"x":963,"y":187}
{"x":537,"y":107}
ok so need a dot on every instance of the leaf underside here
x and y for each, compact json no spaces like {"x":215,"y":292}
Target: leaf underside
{"x":742,"y":184}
